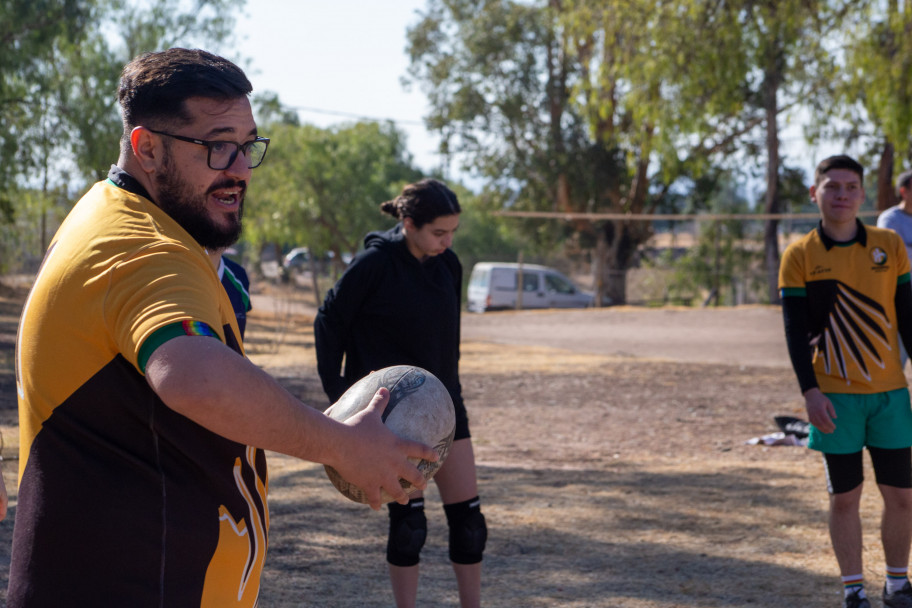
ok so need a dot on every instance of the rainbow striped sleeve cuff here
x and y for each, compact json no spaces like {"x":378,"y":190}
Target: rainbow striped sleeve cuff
{"x":162,"y":335}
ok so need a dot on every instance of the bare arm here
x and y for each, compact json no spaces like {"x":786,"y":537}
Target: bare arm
{"x":215,"y":387}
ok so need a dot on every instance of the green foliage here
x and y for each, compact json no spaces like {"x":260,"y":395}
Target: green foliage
{"x":606,"y":106}
{"x":322,"y":188}
{"x":724,"y":263}
{"x":484,"y":67}
{"x":25,"y":236}
{"x":268,"y":110}
{"x":31,"y":31}
{"x":59,"y":71}
{"x":482,"y":235}
{"x":879,"y":61}
{"x":151,"y":25}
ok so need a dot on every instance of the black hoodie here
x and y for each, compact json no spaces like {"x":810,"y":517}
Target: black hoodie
{"x":389,"y":308}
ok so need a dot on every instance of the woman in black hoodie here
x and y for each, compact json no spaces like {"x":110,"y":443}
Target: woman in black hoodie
{"x":399,"y":304}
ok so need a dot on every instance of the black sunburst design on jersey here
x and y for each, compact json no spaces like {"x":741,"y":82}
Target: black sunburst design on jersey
{"x":848,"y":328}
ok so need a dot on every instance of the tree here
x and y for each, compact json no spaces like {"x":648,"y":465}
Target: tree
{"x":30,"y":33}
{"x":322,"y":187}
{"x":879,"y":61}
{"x":602,"y":106}
{"x":720,"y":266}
{"x":580,"y":106}
{"x":58,"y":79}
{"x":784,"y":40}
{"x":496,"y":74}
{"x":653,"y":92}
{"x":89,"y":72}
{"x":482,"y":235}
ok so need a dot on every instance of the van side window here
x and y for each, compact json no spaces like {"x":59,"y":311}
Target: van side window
{"x":530,"y":282}
{"x":557,"y":284}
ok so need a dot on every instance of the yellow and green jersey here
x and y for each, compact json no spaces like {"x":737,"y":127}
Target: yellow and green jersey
{"x":850,"y":290}
{"x":123,"y":501}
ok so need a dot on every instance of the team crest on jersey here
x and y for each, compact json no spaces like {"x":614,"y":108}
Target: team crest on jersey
{"x":878,"y":256}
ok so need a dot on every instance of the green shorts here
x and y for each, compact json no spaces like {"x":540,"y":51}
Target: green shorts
{"x":880,"y":420}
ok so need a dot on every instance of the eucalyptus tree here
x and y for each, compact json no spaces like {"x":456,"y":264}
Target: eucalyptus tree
{"x":498,"y":75}
{"x":582,"y":106}
{"x":786,"y":42}
{"x":661,"y":83}
{"x":602,"y":105}
{"x":702,"y":79}
{"x":878,"y":66}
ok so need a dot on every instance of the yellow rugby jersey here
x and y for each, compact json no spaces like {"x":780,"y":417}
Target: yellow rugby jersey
{"x":123,"y":501}
{"x":850,"y":290}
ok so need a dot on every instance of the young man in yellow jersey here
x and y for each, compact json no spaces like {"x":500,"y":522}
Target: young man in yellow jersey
{"x":846,"y":297}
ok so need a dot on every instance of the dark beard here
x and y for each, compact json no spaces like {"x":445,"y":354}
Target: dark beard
{"x":175,"y":200}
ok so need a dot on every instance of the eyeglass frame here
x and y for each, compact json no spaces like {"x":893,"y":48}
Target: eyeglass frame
{"x":210,"y":143}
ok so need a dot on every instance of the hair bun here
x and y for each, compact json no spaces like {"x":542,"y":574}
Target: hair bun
{"x":390,"y":207}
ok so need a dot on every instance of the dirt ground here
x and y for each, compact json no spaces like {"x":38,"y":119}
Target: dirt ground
{"x":612,"y":466}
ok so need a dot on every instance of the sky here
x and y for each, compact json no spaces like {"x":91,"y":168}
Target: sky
{"x":337,"y":61}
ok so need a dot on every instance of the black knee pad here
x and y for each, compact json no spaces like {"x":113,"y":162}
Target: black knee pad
{"x":468,"y":531}
{"x":407,"y":532}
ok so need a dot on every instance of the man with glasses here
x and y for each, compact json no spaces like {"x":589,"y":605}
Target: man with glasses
{"x":142,"y":426}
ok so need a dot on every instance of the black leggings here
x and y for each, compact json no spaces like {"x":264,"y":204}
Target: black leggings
{"x":845,"y":472}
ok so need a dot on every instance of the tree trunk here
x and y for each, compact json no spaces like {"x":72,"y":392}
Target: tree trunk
{"x":315,"y":279}
{"x":886,"y":195}
{"x":615,"y":248}
{"x":772,"y":205}
{"x":598,"y":266}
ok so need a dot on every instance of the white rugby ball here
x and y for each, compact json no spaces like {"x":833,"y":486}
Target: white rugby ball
{"x":419,"y":408}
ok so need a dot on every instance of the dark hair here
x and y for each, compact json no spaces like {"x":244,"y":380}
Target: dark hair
{"x":424,"y":202}
{"x":840,"y":161}
{"x":154,"y":86}
{"x":902,"y":181}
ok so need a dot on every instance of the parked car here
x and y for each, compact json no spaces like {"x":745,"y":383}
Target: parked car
{"x":298,"y":258}
{"x":494,"y":285}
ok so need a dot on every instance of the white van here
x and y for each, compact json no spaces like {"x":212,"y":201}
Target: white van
{"x":493,"y":286}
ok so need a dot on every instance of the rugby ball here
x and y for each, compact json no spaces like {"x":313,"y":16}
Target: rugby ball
{"x":419,"y":408}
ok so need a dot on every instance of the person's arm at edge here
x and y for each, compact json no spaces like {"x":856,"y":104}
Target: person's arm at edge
{"x":884,"y":220}
{"x":903,"y":302}
{"x":819,"y":408}
{"x":215,"y":387}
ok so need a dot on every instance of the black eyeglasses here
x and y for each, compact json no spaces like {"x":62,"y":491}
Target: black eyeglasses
{"x":223,"y":153}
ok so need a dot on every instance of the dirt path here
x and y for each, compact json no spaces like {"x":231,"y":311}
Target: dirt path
{"x":734,"y":336}
{"x":747,"y":335}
